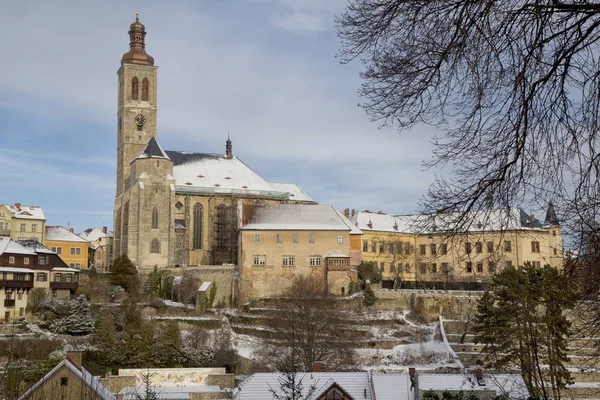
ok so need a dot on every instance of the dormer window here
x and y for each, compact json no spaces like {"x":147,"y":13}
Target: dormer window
{"x":370,"y":224}
{"x":227,"y":177}
{"x":395,"y":226}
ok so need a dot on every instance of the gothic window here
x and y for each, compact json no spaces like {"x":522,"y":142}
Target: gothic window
{"x":155,"y":246}
{"x":145,"y":89}
{"x":155,"y":218}
{"x":223,"y":225}
{"x":135,"y":83}
{"x":198,"y":214}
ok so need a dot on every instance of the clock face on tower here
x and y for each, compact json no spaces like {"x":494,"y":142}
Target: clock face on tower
{"x":140,"y":120}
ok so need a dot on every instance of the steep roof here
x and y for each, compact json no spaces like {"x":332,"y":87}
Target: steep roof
{"x":26,"y":212}
{"x":60,"y":233}
{"x":90,"y":382}
{"x":94,"y":234}
{"x":35,"y":246}
{"x":293,"y":217}
{"x":9,"y":246}
{"x":551,"y":218}
{"x":153,"y":150}
{"x":259,"y":386}
{"x":296,"y":193}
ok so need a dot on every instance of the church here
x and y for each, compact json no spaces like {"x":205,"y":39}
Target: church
{"x":176,"y":208}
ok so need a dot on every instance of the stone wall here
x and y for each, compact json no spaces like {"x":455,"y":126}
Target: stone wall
{"x":116,"y":383}
{"x":223,"y":381}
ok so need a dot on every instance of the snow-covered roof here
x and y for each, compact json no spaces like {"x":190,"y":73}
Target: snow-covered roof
{"x":35,"y":246}
{"x":26,"y":212}
{"x":477,"y":221}
{"x":62,"y":269}
{"x":311,"y":217}
{"x":89,"y":381}
{"x":10,"y":246}
{"x":17,"y":270}
{"x":168,"y":392}
{"x":511,"y":384}
{"x":204,"y":286}
{"x":353,"y":229}
{"x":259,"y":386}
{"x":60,"y":233}
{"x":392,"y":386}
{"x":294,"y":190}
{"x":153,"y":150}
{"x":94,"y":234}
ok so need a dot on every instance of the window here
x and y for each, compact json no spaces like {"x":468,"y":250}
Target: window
{"x":155,"y":246}
{"x":72,"y":265}
{"x":20,"y":277}
{"x":145,"y":89}
{"x":535,"y":247}
{"x":490,"y":247}
{"x":393,"y":267}
{"x":42,"y":277}
{"x":278,"y":239}
{"x":64,"y":381}
{"x":507,"y":246}
{"x":555,"y":251}
{"x":365,"y":246}
{"x":57,"y":277}
{"x":433,"y":248}
{"x":311,"y":238}
{"x":78,"y":251}
{"x":479,"y":267}
{"x":341,"y":262}
{"x":340,"y":239}
{"x":468,"y":248}
{"x":315,"y":261}
{"x":536,"y":264}
{"x":11,"y":260}
{"x":77,"y":266}
{"x":407,"y":248}
{"x":491,"y":267}
{"x":72,"y":251}
{"x":382,"y":267}
{"x":5,"y":276}
{"x":197,"y":234}
{"x":469,"y":267}
{"x":381,"y":248}
{"x":407,"y":267}
{"x":373,"y":247}
{"x":445,"y":268}
{"x":68,"y":277}
{"x":19,"y":296}
{"x":53,"y":249}
{"x":42,"y":260}
{"x":22,"y":227}
{"x":155,"y":218}
{"x":434,"y":268}
{"x":259,"y":260}
{"x":295,"y":238}
{"x":26,"y":260}
{"x":287,"y":261}
{"x":422,"y":268}
{"x":478,"y":248}
{"x":33,"y":227}
{"x":21,"y":311}
{"x":59,"y":250}
{"x":256,"y":238}
{"x":135,"y":83}
{"x":422,"y":249}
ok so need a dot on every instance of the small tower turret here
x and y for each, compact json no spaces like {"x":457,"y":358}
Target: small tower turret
{"x":228,"y":148}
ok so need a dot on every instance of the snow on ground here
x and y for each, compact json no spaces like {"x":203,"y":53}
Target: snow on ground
{"x":184,"y":317}
{"x":170,"y":303}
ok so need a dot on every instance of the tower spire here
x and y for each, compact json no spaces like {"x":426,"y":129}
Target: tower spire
{"x":228,"y":147}
{"x":137,"y":45}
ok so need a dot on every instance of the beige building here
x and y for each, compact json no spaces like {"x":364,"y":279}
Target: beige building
{"x":20,"y":222}
{"x":279,"y":242}
{"x":175,"y":208}
{"x":100,"y":242}
{"x":422,"y":249}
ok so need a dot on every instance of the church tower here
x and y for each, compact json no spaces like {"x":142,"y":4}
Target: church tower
{"x":136,"y":110}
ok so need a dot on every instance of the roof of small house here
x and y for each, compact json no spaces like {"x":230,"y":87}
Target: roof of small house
{"x":9,"y":246}
{"x":90,"y":382}
{"x":26,"y":212}
{"x":94,"y":234}
{"x":312,"y":217}
{"x":17,"y":270}
{"x":35,"y":246}
{"x":60,"y":233}
{"x":511,"y":384}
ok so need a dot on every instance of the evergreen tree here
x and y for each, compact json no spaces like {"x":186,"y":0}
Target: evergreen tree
{"x":123,"y":273}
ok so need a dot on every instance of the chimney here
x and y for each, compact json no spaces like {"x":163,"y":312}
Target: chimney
{"x":478,"y":373}
{"x":75,"y":357}
{"x":71,"y":230}
{"x":412,"y":371}
{"x":228,"y":148}
{"x":414,"y":381}
{"x":347,"y":212}
{"x":104,"y":229}
{"x":317,"y":366}
{"x":18,"y":206}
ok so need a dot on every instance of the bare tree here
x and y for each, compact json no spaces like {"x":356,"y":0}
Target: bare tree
{"x":291,"y":387}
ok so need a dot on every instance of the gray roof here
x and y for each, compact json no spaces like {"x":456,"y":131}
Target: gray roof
{"x":153,"y":150}
{"x":294,"y":217}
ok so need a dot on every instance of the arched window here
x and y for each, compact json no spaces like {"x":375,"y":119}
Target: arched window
{"x":198,"y":216}
{"x":155,"y":246}
{"x":155,"y":218}
{"x":135,"y":83}
{"x":145,"y":89}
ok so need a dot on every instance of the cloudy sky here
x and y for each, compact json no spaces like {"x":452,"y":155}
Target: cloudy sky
{"x":263,"y":70}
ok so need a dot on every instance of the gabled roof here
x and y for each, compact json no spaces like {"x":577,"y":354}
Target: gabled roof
{"x":26,"y":212}
{"x":62,"y":234}
{"x":153,"y":150}
{"x":9,"y":246}
{"x":94,"y":234}
{"x":35,"y":246}
{"x":90,"y":382}
{"x":314,"y":217}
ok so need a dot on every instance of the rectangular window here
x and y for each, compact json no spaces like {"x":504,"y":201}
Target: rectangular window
{"x":72,"y":251}
{"x":490,"y":247}
{"x":407,"y":267}
{"x":555,"y":251}
{"x":469,"y":267}
{"x":33,"y":227}
{"x":68,"y":277}
{"x":422,"y":249}
{"x":535,"y":247}
{"x":311,"y":238}
{"x":278,"y":239}
{"x":478,"y":248}
{"x":373,"y":247}
{"x":19,"y":296}
{"x":340,"y":239}
{"x":444,"y":249}
{"x":507,"y":246}
{"x":57,"y":277}
{"x":288,"y":261}
{"x":77,"y":266}
{"x":72,"y":265}
{"x":445,"y":268}
{"x":22,"y":227}
{"x":42,"y":260}
{"x":433,"y":248}
{"x":26,"y":260}
{"x":315,"y":261}
{"x":53,"y":249}
{"x":365,"y":246}
{"x":479,"y":267}
{"x":59,"y":250}
{"x":5,"y":276}
{"x":20,"y":277}
{"x":407,"y":248}
{"x":381,"y":248}
{"x":64,"y":381}
{"x":382,"y":267}
{"x":11,"y":259}
{"x":42,"y":277}
{"x":434,"y":268}
{"x":295,"y":238}
{"x":256,"y":238}
{"x":260,"y":260}
{"x":468,"y":248}
{"x":78,"y":251}
{"x":423,"y":268}
{"x":536,"y":264}
{"x":21,"y":311}
{"x":492,"y":267}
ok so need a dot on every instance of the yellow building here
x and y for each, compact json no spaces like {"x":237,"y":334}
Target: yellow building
{"x":280,"y":242}
{"x":72,"y":249}
{"x":413,"y":250}
{"x":22,"y":222}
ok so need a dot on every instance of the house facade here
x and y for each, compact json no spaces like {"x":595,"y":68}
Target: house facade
{"x":72,"y":249}
{"x":20,"y":222}
{"x":100,"y":247}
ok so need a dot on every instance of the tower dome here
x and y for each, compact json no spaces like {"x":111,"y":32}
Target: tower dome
{"x":137,"y":45}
